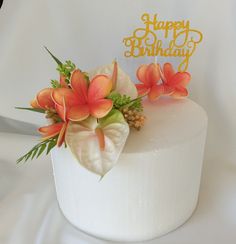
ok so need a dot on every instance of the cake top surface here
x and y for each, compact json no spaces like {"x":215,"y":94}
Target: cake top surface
{"x":169,"y":122}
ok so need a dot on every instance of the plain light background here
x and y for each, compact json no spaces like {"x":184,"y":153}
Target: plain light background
{"x":90,"y":33}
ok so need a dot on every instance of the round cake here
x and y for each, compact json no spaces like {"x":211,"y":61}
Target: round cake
{"x":154,"y":186}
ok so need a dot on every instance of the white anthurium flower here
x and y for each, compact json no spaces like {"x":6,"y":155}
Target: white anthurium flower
{"x":123,"y":83}
{"x":98,"y":145}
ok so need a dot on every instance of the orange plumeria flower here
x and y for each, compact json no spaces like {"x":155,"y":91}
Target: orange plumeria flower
{"x":149,"y":75}
{"x":84,"y":98}
{"x":44,"y":101}
{"x":174,"y":82}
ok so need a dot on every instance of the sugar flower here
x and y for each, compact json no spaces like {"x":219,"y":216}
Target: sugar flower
{"x":84,"y":98}
{"x":44,"y":101}
{"x":149,"y":76}
{"x":174,"y":82}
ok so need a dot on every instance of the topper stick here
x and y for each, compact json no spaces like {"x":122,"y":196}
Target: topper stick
{"x":155,"y":60}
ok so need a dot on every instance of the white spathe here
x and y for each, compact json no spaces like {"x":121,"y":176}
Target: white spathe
{"x":84,"y":143}
{"x":154,"y":186}
{"x":124,"y":85}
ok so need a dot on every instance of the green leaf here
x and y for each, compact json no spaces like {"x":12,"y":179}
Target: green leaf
{"x":55,"y":84}
{"x":122,"y":101}
{"x":51,"y":145}
{"x":39,"y":149}
{"x":86,"y":76}
{"x":20,"y":159}
{"x":28,"y":156}
{"x":55,"y":58}
{"x":42,"y":148}
{"x":136,"y":104}
{"x":66,"y":69}
{"x":119,"y":100}
{"x":34,"y":153}
{"x":38,"y":110}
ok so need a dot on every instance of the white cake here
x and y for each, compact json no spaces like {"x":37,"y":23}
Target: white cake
{"x":154,"y":186}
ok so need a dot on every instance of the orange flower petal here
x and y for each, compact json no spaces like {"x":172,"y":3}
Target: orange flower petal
{"x":180,"y":79}
{"x":180,"y":92}
{"x":63,"y":81}
{"x":61,"y":110}
{"x":141,"y":73}
{"x":61,"y":95}
{"x":101,"y":138}
{"x":99,"y":88}
{"x":50,"y":130}
{"x":155,"y":92}
{"x":80,"y":85}
{"x":168,"y":89}
{"x":142,"y":89}
{"x":78,"y":112}
{"x":34,"y":104}
{"x":168,"y":71}
{"x":101,"y":108}
{"x":44,"y":98}
{"x":61,"y":137}
{"x":152,"y":74}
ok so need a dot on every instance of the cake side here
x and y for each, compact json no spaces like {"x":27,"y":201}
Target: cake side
{"x":145,"y":195}
{"x":154,"y":186}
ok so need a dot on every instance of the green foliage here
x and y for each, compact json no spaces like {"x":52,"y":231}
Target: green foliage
{"x":136,"y":104}
{"x":66,"y":69}
{"x":38,"y":110}
{"x":55,"y":84}
{"x":86,"y":76}
{"x":119,"y":100}
{"x":38,"y":149}
{"x":122,"y":101}
{"x":55,"y":58}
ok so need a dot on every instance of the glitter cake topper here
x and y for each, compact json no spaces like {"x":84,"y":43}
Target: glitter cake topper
{"x":163,"y":38}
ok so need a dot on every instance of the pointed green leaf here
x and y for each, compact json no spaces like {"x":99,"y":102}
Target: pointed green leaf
{"x":51,"y":145}
{"x":34,"y":153}
{"x":28,"y":156}
{"x":39,"y":149}
{"x":55,"y":58}
{"x":42,"y":148}
{"x":38,"y":110}
{"x":20,"y":159}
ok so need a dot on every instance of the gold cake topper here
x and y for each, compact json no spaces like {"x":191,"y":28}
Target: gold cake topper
{"x":163,"y":38}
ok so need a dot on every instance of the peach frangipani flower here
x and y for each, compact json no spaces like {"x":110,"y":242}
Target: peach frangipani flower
{"x":84,"y":98}
{"x":149,"y":75}
{"x":44,"y":101}
{"x":174,"y":82}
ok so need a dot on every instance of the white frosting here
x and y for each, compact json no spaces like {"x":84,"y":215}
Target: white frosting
{"x":154,"y":186}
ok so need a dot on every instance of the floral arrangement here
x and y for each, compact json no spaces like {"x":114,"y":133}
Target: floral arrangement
{"x":93,"y":113}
